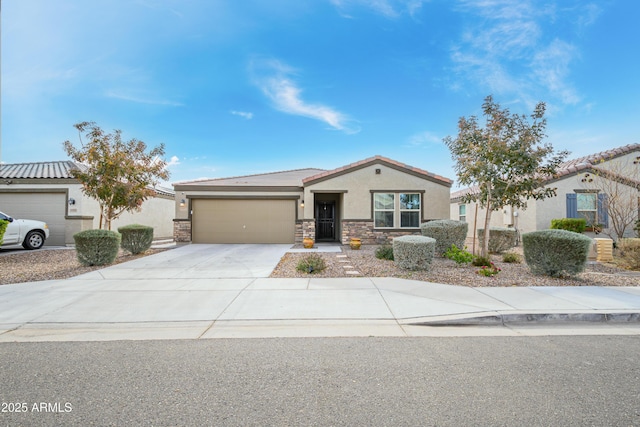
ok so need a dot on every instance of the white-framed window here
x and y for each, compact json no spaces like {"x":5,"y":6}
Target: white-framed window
{"x":588,"y":207}
{"x":462,"y":212}
{"x":383,"y":210}
{"x":396,"y":210}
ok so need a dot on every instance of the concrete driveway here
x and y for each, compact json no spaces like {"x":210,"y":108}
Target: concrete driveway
{"x":199,"y":261}
{"x":221,"y":291}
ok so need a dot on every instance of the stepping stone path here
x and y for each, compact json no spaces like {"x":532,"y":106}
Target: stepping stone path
{"x":349,"y":269}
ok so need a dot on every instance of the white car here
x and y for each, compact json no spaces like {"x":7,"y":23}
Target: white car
{"x":31,"y":234}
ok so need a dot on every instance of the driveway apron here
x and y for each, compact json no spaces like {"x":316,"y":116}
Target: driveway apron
{"x":224,"y":291}
{"x":190,"y":283}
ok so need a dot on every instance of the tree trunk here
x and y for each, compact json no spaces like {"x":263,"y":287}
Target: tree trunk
{"x":487,"y":221}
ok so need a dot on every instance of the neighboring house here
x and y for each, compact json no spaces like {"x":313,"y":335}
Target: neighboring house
{"x":584,"y":188}
{"x":47,"y":191}
{"x":373,"y":199}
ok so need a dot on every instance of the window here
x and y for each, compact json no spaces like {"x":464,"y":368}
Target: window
{"x":396,"y":210}
{"x":462,"y":212}
{"x":591,"y":206}
{"x":383,"y":208}
{"x":409,"y":210}
{"x":587,"y":207}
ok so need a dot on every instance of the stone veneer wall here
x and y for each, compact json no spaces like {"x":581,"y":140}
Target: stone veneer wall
{"x":363,"y":229}
{"x":182,"y":230}
{"x":305,"y":228}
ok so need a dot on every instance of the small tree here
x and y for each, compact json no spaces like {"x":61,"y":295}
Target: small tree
{"x":506,"y":159}
{"x":120,"y":175}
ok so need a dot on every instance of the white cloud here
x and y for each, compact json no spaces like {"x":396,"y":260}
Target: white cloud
{"x":275,"y":80}
{"x":141,"y":99}
{"x":423,"y":138}
{"x":509,"y":51}
{"x":551,"y":67}
{"x":391,"y":9}
{"x":589,"y":15}
{"x":174,"y":160}
{"x":244,"y":114}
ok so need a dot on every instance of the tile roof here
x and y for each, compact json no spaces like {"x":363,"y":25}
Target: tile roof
{"x":597,"y":157}
{"x":377,"y":159}
{"x":56,"y":170}
{"x":464,"y":191}
{"x":290,"y":178}
{"x":52,"y":170}
{"x":164,"y":191}
{"x":580,"y":164}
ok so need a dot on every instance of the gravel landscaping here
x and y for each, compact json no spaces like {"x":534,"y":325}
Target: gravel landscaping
{"x":445,"y":271}
{"x":49,"y":264}
{"x":53,"y":264}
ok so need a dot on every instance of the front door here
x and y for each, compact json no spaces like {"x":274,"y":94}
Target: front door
{"x":325,"y":220}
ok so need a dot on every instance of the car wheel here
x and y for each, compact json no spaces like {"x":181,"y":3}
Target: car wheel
{"x":34,"y":240}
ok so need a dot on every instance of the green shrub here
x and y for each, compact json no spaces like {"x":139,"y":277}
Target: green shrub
{"x":460,"y":256}
{"x":481,"y":261}
{"x":385,"y":252}
{"x":447,"y":232}
{"x":556,"y":253}
{"x":500,"y":239}
{"x":97,"y":247}
{"x":489,"y":270}
{"x":3,"y":228}
{"x":414,"y":252}
{"x":312,"y":264}
{"x":512,"y":258}
{"x":629,"y":253}
{"x":136,"y":238}
{"x":577,"y":225}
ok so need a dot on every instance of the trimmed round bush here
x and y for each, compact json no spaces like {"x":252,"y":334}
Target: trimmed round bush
{"x":556,"y":253}
{"x":97,"y":247}
{"x":447,"y":232}
{"x":136,"y":238}
{"x":500,"y":239}
{"x":414,"y":252}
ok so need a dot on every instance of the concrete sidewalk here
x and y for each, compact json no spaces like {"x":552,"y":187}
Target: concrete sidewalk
{"x":208,"y":291}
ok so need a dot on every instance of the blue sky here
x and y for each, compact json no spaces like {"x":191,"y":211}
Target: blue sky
{"x":234,"y":87}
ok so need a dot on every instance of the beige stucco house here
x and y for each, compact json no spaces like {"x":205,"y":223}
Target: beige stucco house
{"x":373,"y":199}
{"x":47,"y":191}
{"x":585,"y":187}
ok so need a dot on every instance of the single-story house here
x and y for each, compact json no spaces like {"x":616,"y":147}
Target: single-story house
{"x":47,"y":191}
{"x":584,"y":188}
{"x":374,"y":199}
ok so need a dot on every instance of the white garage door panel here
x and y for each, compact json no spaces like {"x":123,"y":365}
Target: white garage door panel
{"x":243,"y":221}
{"x":47,"y":207}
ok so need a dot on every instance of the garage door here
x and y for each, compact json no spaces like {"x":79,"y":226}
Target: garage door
{"x":243,"y":221}
{"x":47,"y":207}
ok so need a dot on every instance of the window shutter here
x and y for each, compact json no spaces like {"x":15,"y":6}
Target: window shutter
{"x":603,"y":214}
{"x":572,"y":205}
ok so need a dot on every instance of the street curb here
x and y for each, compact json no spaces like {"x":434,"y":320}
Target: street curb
{"x":498,"y":318}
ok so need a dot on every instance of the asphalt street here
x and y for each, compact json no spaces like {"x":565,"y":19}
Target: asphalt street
{"x":489,"y":381}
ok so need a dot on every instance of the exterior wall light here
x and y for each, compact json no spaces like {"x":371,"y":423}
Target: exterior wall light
{"x":72,"y":201}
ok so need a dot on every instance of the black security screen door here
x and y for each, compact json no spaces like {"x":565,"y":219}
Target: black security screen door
{"x":325,"y":220}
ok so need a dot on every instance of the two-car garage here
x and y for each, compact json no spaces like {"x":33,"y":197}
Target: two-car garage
{"x":229,"y":220}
